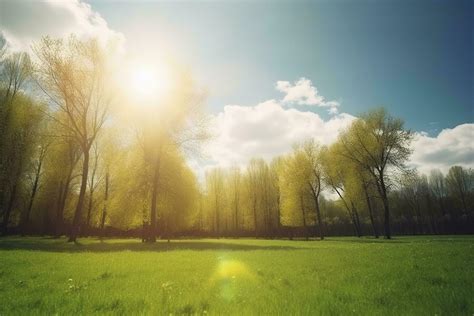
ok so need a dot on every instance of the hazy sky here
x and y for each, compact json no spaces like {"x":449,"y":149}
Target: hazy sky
{"x":414,"y":57}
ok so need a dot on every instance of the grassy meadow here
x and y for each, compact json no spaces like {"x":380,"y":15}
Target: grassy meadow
{"x":344,"y":276}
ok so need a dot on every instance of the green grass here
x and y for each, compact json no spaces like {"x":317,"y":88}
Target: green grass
{"x":407,"y":275}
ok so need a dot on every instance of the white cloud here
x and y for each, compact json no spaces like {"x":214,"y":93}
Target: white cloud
{"x":23,"y":22}
{"x":451,"y":147}
{"x":304,"y":93}
{"x":267,"y":130}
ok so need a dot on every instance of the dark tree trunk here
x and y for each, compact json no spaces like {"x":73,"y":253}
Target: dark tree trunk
{"x":349,"y":212}
{"x":255,"y":215}
{"x":383,"y":193}
{"x":388,"y":234}
{"x":154,"y":199}
{"x":371,"y":213}
{"x":62,"y":198}
{"x":318,"y":211}
{"x":104,"y":210}
{"x":236,"y":215}
{"x":80,"y":203}
{"x":33,"y":193}
{"x":8,"y":210}
{"x":89,"y":211}
{"x":216,"y":217}
{"x":356,"y":218}
{"x":59,"y":218}
{"x":278,"y":211}
{"x":303,"y":214}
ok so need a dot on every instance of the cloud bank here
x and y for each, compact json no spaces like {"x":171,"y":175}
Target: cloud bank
{"x":451,"y":147}
{"x":272,"y":127}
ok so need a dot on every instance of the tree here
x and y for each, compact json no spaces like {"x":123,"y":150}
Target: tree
{"x":173,"y":123}
{"x":93,"y":183}
{"x":17,"y":126}
{"x":253,"y":188}
{"x":42,"y":150}
{"x":438,"y":187}
{"x":377,"y":142}
{"x":235,"y":199}
{"x":215,"y":189}
{"x":332,"y":166}
{"x":460,"y":183}
{"x":313,"y":169}
{"x":73,"y":74}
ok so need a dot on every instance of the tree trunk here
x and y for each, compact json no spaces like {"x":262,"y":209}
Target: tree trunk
{"x":463,"y":200}
{"x":356,"y":219}
{"x":383,"y":193}
{"x":255,"y":216}
{"x":33,"y":193}
{"x":351,"y":216}
{"x":318,"y":211}
{"x":89,"y":210}
{"x":371,"y":214}
{"x":80,"y":203}
{"x":388,"y":234}
{"x":216,"y":217}
{"x":59,"y":217}
{"x":236,"y":215}
{"x":6,"y":215}
{"x":154,"y":198}
{"x":104,"y":210}
{"x":303,"y":214}
{"x":278,"y":215}
{"x":63,"y":194}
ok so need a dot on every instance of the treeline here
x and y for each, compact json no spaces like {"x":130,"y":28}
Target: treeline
{"x":276,"y":200}
{"x":78,"y":157}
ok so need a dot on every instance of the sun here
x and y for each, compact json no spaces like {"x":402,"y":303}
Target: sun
{"x":148,"y":82}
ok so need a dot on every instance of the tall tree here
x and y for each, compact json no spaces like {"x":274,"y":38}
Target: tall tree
{"x":38,"y":166}
{"x":314,"y":173}
{"x":461,"y":182}
{"x":15,"y":70}
{"x":333,"y":165}
{"x":73,"y":74}
{"x":377,"y":142}
{"x":235,"y":196}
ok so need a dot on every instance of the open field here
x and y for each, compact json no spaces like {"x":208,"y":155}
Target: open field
{"x":407,"y":275}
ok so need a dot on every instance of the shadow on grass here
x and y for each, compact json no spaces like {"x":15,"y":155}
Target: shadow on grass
{"x":408,"y":239}
{"x":368,"y":240}
{"x":60,"y":245}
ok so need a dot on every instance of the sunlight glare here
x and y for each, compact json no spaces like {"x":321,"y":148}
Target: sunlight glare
{"x":149,"y":83}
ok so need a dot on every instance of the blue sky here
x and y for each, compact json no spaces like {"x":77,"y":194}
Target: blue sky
{"x":413,"y":57}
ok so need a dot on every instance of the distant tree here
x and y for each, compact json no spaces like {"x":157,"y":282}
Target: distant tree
{"x":438,"y":187}
{"x":38,"y":169}
{"x":460,"y":183}
{"x":20,"y":142}
{"x":235,"y":184}
{"x":253,"y":188}
{"x":15,"y":134}
{"x":216,"y":191}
